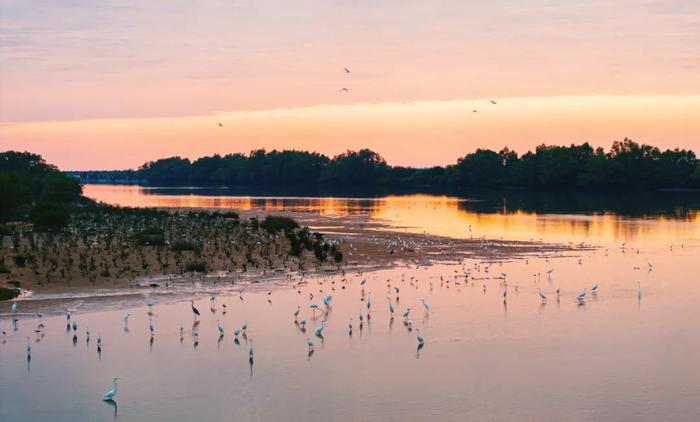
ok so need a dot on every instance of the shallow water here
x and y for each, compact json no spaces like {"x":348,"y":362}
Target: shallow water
{"x":618,"y":357}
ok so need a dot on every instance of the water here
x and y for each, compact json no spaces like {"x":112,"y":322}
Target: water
{"x":618,"y":357}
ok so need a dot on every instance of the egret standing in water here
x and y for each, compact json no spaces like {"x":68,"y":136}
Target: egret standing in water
{"x":419,"y":337}
{"x":639,"y":291}
{"x":151,"y":328}
{"x":581,"y":297}
{"x":426,"y":306}
{"x":594,"y":288}
{"x":250,"y":349}
{"x":391,"y":307}
{"x":195,"y":311}
{"x":406,"y":312}
{"x":126,"y":318}
{"x":310,"y":344}
{"x":220,"y":328}
{"x":14,"y":307}
{"x":319,"y":330}
{"x":542,"y":296}
{"x":296,"y":313}
{"x":111,"y":393}
{"x":29,"y":348}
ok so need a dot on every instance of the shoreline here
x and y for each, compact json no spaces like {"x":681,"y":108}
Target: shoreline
{"x":368,"y":245}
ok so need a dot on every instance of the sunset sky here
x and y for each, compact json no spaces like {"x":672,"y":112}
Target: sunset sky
{"x":111,"y":84}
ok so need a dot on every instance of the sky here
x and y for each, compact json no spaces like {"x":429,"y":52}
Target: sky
{"x":112,"y":84}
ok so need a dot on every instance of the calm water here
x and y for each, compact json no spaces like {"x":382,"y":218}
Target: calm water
{"x":616,"y":358}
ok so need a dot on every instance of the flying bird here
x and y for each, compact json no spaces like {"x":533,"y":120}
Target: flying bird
{"x":344,"y":90}
{"x":493,"y":102}
{"x":346,"y":70}
{"x":220,"y":124}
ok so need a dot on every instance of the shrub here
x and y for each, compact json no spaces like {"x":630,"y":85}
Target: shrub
{"x":151,"y":236}
{"x":7,"y":294}
{"x":20,"y":261}
{"x":196,"y":266}
{"x":273,"y":224}
{"x":183,"y":245}
{"x":49,"y":216}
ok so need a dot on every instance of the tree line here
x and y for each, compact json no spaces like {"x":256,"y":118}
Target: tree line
{"x":32,"y":189}
{"x":626,"y":165}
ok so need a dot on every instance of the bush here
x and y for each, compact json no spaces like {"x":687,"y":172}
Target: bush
{"x":230,"y":214}
{"x":273,"y":224}
{"x":50,"y":216}
{"x":4,"y":230}
{"x":20,"y":261}
{"x":183,"y":245}
{"x":337,"y":256}
{"x":196,"y":266}
{"x":7,"y":294}
{"x":153,"y":236}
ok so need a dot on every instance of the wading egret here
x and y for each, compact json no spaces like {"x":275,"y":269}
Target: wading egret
{"x":111,"y":393}
{"x":195,"y":311}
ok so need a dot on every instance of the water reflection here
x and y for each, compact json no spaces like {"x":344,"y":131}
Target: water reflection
{"x":113,"y":405}
{"x":604,"y":218}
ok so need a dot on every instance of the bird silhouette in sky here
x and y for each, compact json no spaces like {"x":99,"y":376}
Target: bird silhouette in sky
{"x":220,"y":124}
{"x":492,"y":102}
{"x":346,"y":70}
{"x":344,"y":90}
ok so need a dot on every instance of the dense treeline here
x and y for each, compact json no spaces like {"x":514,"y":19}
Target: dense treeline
{"x":626,"y":165}
{"x":32,"y":189}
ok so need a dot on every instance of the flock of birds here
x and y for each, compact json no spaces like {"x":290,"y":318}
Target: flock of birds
{"x":345,"y":90}
{"x":325,"y":288}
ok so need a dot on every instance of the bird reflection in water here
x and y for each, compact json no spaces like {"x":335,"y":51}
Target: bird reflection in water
{"x":113,"y":405}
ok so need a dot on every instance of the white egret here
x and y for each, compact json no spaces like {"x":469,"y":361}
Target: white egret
{"x":310,"y":344}
{"x":594,"y":288}
{"x":419,"y":337}
{"x":220,"y":328}
{"x":126,"y":318}
{"x":296,"y":312}
{"x":406,"y":312}
{"x":111,"y":393}
{"x":542,"y":296}
{"x":426,"y":306}
{"x":319,"y":330}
